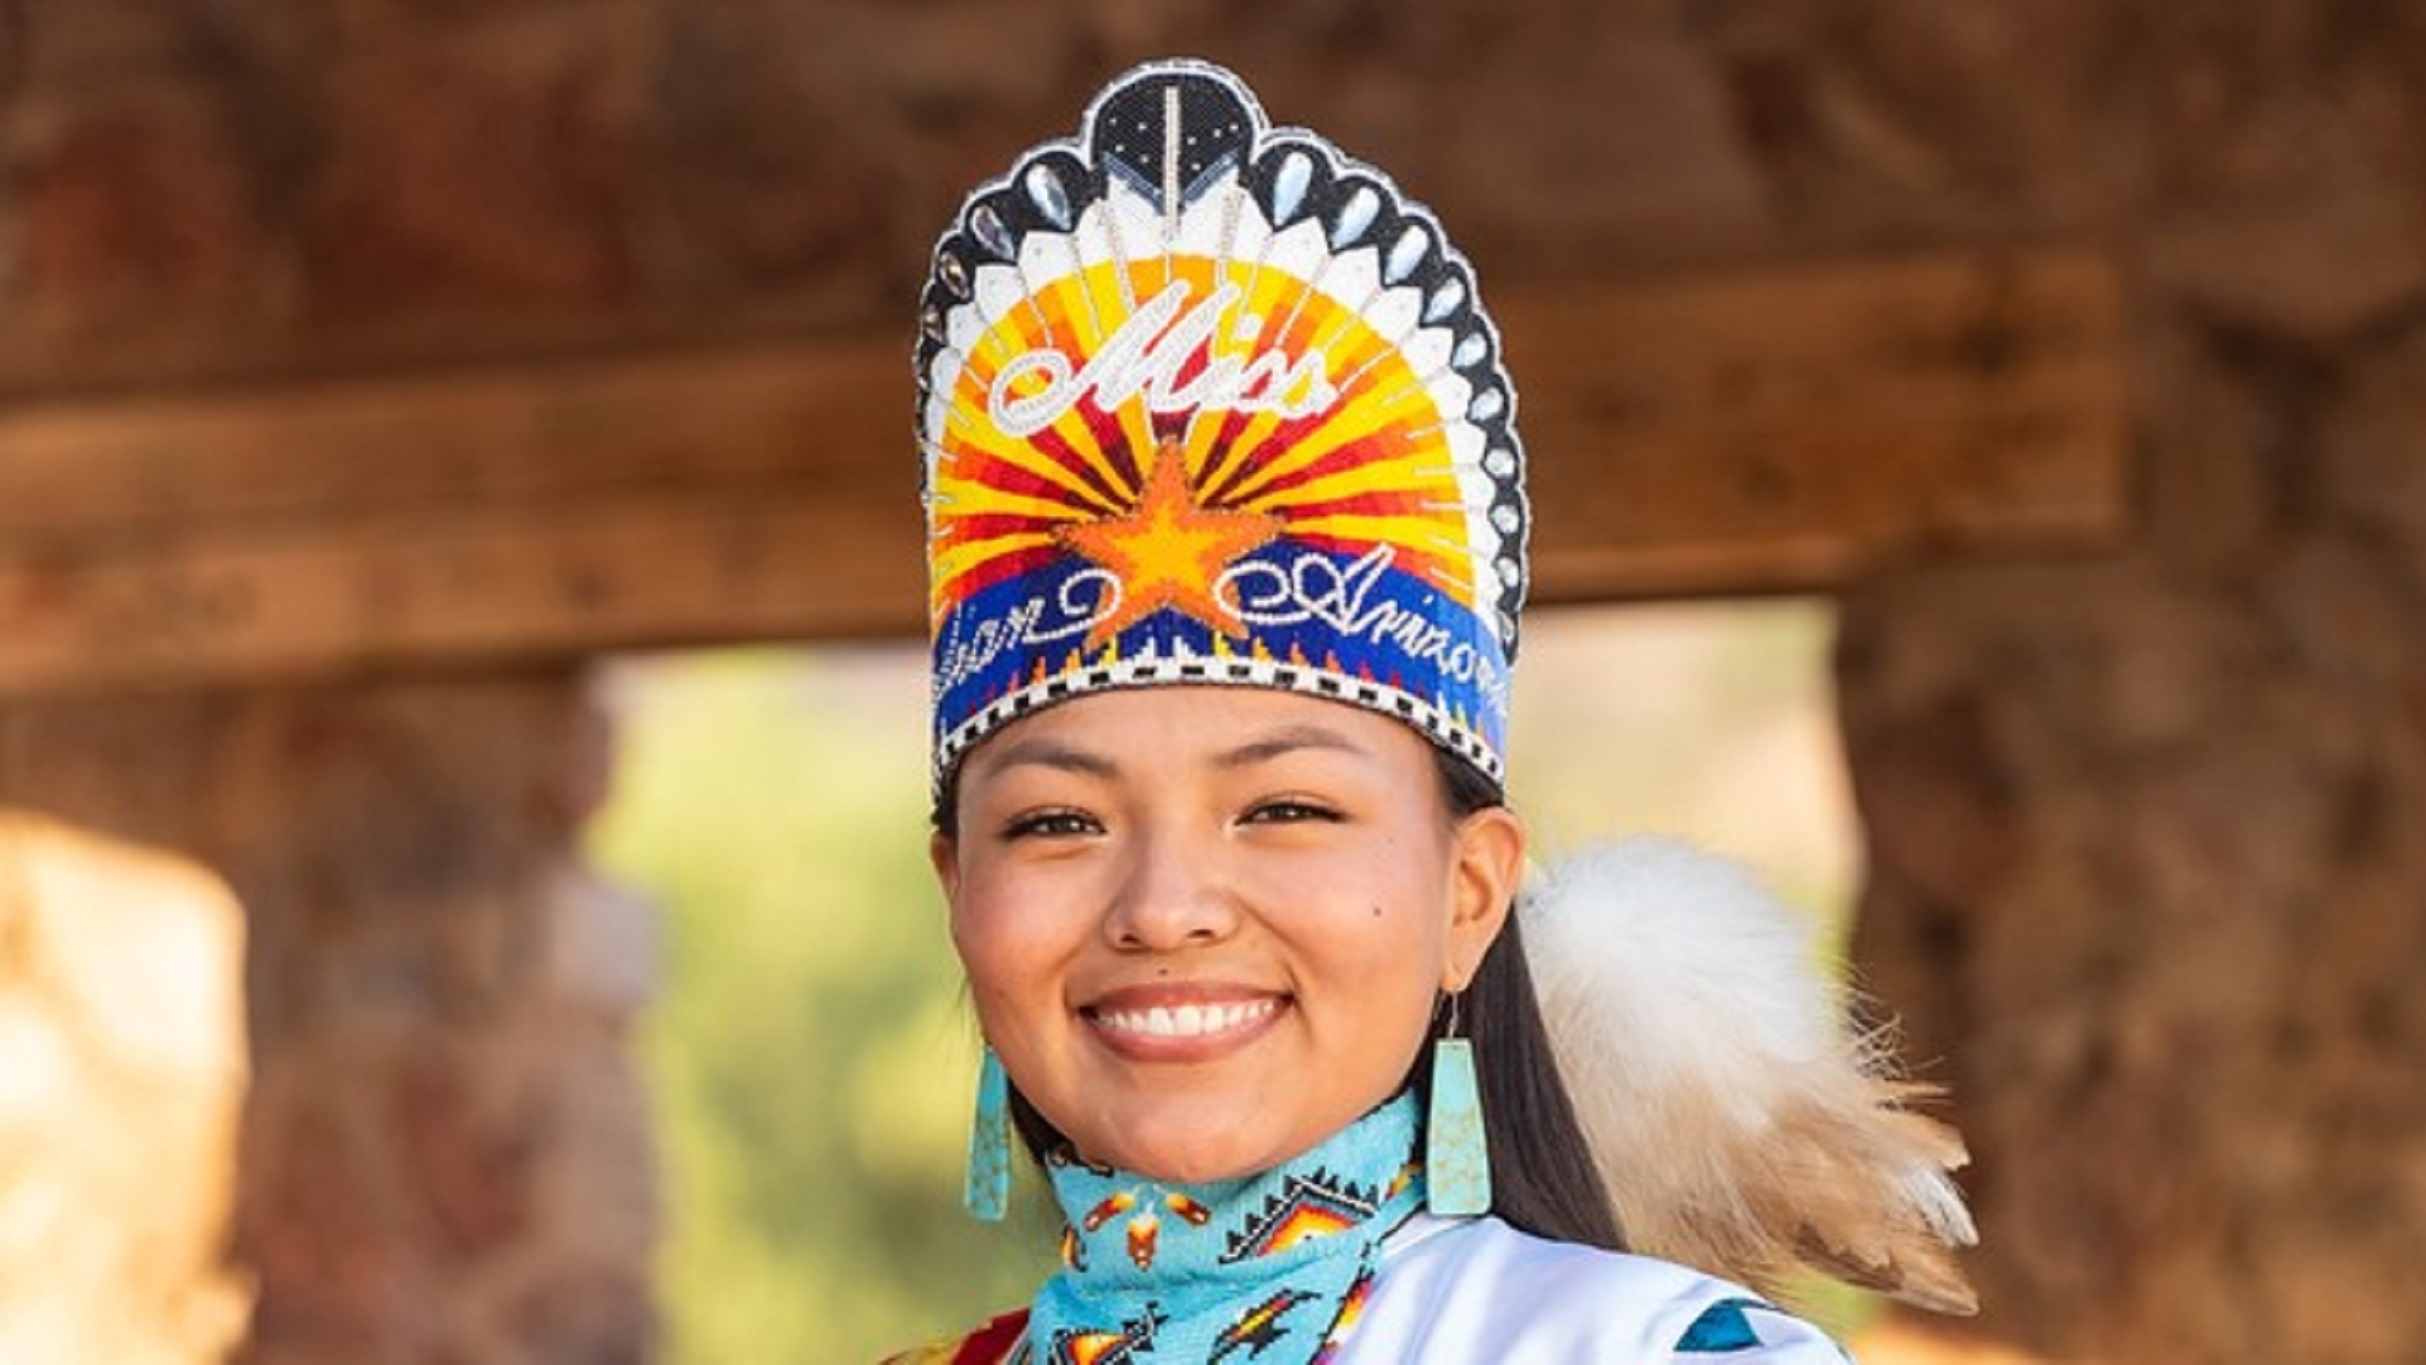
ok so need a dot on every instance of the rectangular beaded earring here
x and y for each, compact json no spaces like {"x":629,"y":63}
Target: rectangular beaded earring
{"x":1457,"y":1157}
{"x":987,"y":1194}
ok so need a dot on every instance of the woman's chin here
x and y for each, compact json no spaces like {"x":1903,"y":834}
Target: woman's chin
{"x":1193,"y":1168}
{"x":1181,"y":1149}
{"x":1189,"y":1159}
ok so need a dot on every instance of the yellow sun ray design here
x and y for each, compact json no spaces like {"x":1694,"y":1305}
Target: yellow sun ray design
{"x":1167,"y":501}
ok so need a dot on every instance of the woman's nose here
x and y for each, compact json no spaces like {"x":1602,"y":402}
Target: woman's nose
{"x":1174,"y":895}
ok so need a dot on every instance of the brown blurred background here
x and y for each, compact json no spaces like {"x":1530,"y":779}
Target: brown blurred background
{"x":368,"y":368}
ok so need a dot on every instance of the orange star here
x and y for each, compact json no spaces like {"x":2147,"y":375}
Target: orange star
{"x":1168,"y":549}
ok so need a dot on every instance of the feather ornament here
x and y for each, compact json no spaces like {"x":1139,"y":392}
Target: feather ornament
{"x":1741,"y":1124}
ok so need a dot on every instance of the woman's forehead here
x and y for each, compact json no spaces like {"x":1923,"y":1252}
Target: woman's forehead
{"x":1174,"y":726}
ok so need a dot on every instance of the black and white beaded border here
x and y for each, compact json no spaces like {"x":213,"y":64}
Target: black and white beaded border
{"x":1215,"y":671}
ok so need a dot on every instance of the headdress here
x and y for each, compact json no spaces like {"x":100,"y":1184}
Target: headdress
{"x":1205,"y":402}
{"x":1202,"y":401}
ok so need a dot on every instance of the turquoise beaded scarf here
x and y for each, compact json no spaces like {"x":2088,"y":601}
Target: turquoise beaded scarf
{"x":1272,"y":1268}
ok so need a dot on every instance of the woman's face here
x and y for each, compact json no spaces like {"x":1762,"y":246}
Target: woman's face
{"x":1205,"y":927}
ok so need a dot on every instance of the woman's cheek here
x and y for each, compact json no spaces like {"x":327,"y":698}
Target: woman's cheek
{"x":1004,"y":926}
{"x":983,"y":934}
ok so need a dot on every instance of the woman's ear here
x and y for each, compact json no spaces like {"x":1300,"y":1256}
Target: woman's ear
{"x":1490,"y":861}
{"x":944,"y":853}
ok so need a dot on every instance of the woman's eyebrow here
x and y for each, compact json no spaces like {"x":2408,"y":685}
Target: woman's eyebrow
{"x":1051,"y":753}
{"x":1286,"y":741}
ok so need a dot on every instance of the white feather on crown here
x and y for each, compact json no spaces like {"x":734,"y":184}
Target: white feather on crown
{"x":1741,"y":1123}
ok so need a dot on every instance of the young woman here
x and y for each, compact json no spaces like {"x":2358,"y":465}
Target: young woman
{"x":1227,"y":534}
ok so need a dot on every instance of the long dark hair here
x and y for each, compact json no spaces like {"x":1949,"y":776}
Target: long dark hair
{"x":1542,"y":1177}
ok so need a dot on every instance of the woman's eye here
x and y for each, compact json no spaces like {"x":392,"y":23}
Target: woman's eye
{"x":1289,"y":813}
{"x":1051,"y":824}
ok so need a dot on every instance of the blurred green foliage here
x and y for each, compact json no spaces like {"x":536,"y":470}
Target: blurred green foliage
{"x":811,"y":1055}
{"x":811,"y":1050}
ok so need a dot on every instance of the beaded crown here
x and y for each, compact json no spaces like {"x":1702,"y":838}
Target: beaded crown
{"x":1205,"y":402}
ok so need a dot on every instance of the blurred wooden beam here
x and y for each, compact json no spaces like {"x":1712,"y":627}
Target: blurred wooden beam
{"x":1787,"y":429}
{"x":1792,"y":430}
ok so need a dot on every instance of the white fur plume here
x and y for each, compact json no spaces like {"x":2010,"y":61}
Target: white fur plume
{"x":1740,"y":1122}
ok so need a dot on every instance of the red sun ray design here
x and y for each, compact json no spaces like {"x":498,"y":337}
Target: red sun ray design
{"x":1386,"y":445}
{"x":1058,"y":448}
{"x":1007,"y":565}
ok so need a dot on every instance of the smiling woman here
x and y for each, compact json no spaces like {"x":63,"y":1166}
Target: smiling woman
{"x":1178,"y":905}
{"x":1227,"y":532}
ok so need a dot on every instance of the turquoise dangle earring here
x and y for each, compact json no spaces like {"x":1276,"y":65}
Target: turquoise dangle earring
{"x":1457,"y":1158}
{"x":988,"y":1191}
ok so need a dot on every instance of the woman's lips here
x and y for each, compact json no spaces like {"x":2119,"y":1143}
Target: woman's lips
{"x":1180,"y":1025}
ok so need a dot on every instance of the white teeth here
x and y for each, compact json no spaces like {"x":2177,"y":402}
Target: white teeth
{"x":1187,"y":1021}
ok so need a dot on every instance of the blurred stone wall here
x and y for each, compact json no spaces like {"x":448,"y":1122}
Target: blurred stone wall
{"x":2145,"y":878}
{"x":445,"y":1151}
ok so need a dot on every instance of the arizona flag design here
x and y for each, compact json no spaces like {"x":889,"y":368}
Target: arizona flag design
{"x":1201,"y":402}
